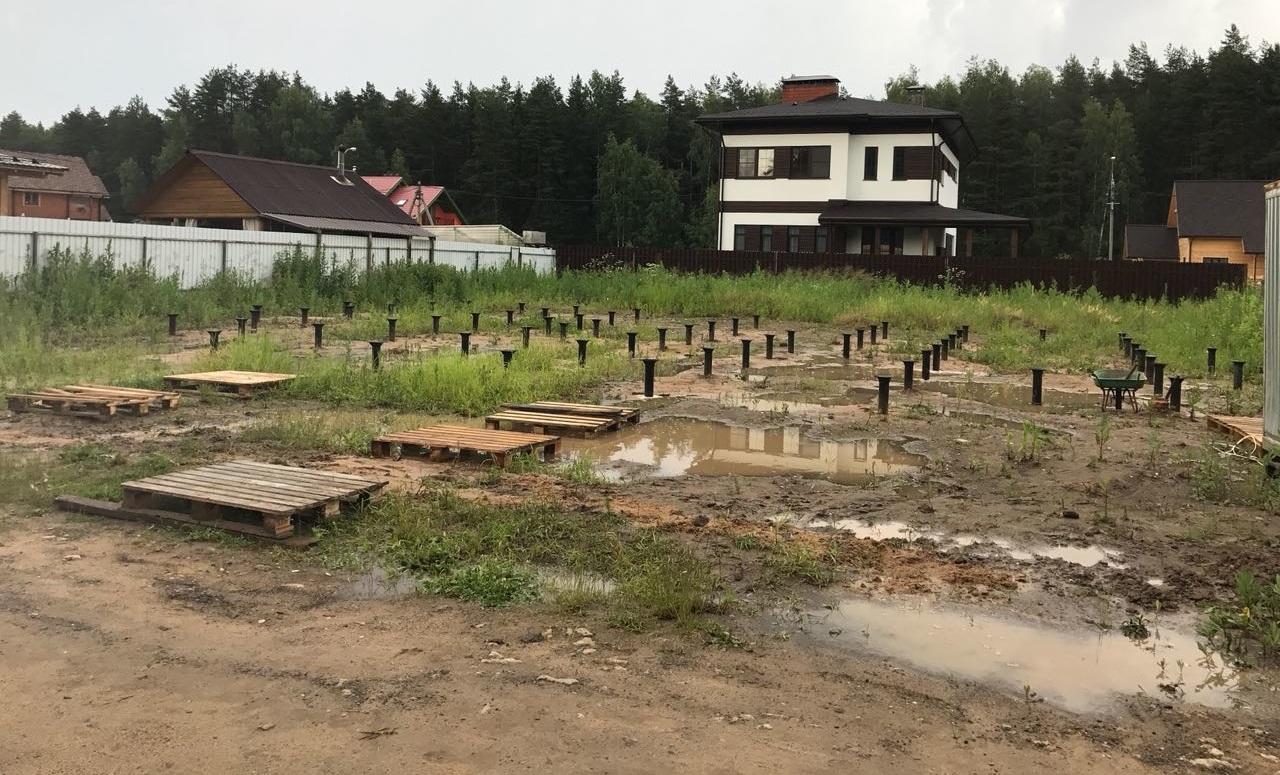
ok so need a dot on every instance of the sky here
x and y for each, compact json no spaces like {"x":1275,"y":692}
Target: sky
{"x":90,"y":53}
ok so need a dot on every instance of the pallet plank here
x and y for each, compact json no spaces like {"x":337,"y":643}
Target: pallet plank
{"x":497,"y":444}
{"x":174,"y":519}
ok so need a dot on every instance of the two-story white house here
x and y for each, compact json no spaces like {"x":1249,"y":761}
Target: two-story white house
{"x":824,"y":173}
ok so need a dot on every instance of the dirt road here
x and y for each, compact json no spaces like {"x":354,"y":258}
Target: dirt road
{"x":127,"y":651}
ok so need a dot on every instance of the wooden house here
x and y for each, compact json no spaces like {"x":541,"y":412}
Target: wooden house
{"x":226,"y":191}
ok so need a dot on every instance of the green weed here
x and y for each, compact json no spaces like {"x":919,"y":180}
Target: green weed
{"x":1249,"y":627}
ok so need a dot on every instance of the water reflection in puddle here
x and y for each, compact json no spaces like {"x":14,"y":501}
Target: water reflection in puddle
{"x":1079,"y":671}
{"x":1087,"y":556}
{"x":794,"y":403}
{"x":672,"y":447}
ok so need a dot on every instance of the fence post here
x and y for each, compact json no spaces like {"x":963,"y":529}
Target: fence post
{"x":368,"y":253}
{"x":224,"y":257}
{"x":408,"y":250}
{"x":477,"y":266}
{"x":388,"y":255}
{"x":431,"y":249}
{"x":144,"y":252}
{"x":35,"y":250}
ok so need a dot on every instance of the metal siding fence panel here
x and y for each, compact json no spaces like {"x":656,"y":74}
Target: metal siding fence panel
{"x":196,"y":254}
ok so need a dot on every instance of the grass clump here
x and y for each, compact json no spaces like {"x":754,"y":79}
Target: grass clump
{"x":491,"y":584}
{"x":1248,"y":628}
{"x":493,"y":554}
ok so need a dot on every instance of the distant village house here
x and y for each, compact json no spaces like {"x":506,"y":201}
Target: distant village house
{"x":50,"y":185}
{"x":227,"y":191}
{"x":1210,"y":221}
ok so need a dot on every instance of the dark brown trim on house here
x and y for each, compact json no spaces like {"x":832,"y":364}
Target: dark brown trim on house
{"x":774,"y":207}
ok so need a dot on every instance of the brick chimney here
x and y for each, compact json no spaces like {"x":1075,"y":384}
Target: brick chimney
{"x":915,"y":96}
{"x":807,"y":88}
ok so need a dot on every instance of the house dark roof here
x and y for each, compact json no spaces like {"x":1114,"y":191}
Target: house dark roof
{"x":1150,"y":242}
{"x":914,"y":214}
{"x":849,"y":113}
{"x":77,"y":178}
{"x":286,"y":188}
{"x":1222,"y":208}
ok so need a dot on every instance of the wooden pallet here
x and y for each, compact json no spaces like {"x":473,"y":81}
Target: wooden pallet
{"x":498,"y":445}
{"x":101,"y":402}
{"x":1245,"y":431}
{"x":627,"y":413}
{"x":237,"y":383}
{"x":272,"y":494}
{"x":546,"y":422}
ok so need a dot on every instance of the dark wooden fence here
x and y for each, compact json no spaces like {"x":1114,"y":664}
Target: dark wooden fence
{"x":1117,"y":279}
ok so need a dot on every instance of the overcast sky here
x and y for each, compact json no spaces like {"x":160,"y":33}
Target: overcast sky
{"x":101,"y":52}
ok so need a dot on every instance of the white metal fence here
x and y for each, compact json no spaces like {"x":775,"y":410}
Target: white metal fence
{"x":196,"y":254}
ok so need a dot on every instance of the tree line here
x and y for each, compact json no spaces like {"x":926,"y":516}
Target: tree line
{"x":591,"y":163}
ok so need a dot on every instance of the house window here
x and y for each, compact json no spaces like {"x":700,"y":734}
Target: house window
{"x":793,"y":239}
{"x":811,"y":161}
{"x":31,"y":198}
{"x":899,"y":163}
{"x":766,"y":238}
{"x":739,"y":237}
{"x":755,"y":162}
{"x":1215,"y":260}
{"x":891,"y":238}
{"x":820,"y":240}
{"x":871,"y":163}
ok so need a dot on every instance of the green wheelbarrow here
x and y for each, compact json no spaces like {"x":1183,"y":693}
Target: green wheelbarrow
{"x":1117,"y":385}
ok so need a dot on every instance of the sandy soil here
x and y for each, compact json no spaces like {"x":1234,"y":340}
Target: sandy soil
{"x":129,"y":650}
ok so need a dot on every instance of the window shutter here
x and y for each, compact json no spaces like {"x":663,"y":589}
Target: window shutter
{"x":918,"y":162}
{"x":782,"y":162}
{"x":729,"y":167}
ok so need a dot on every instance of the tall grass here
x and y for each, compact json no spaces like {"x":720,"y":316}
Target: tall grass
{"x":81,"y":299}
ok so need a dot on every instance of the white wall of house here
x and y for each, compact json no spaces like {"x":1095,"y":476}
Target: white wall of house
{"x":884,"y":188}
{"x":847,"y":181}
{"x":789,"y":189}
{"x":730,"y":220}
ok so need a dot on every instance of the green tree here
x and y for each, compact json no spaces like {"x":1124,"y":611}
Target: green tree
{"x":636,"y":198}
{"x":133,"y":181}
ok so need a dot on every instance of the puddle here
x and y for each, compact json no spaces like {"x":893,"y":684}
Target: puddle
{"x":1080,"y":671}
{"x":790,"y":403}
{"x":671,"y":447}
{"x":1010,"y":396}
{"x":1085,"y":556}
{"x":377,"y":584}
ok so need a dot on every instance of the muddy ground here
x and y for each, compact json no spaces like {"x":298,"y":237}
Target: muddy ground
{"x":996,"y":563}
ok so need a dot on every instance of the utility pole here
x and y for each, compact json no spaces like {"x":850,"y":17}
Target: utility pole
{"x":1111,"y":215}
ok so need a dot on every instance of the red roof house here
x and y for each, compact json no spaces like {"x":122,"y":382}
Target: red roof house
{"x":428,"y":205}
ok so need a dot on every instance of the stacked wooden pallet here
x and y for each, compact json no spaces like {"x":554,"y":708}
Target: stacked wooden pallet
{"x":556,"y":416}
{"x":453,"y":439}
{"x":97,"y":401}
{"x":237,"y":383}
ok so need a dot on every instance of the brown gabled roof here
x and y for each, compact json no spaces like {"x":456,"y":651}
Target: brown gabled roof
{"x":300,"y":189}
{"x":278,"y":189}
{"x":1222,"y":208}
{"x":1150,"y":242}
{"x":77,"y":179}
